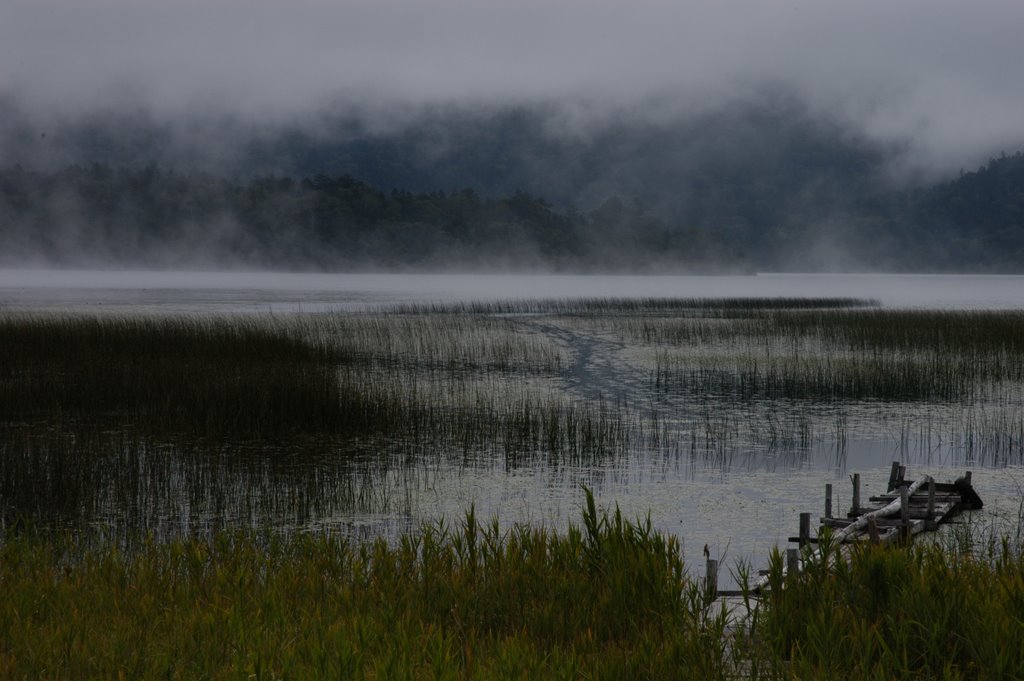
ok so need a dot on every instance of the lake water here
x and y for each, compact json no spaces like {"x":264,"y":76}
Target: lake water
{"x":740,"y":512}
{"x":226,"y":291}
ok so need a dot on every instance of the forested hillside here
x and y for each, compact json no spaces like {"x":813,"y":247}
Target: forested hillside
{"x":98,"y":215}
{"x":761,"y":183}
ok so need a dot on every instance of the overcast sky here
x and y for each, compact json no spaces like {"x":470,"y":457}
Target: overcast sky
{"x":946,"y":76}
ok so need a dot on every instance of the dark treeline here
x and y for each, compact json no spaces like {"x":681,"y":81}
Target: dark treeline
{"x":761,"y":182}
{"x":148,"y":217}
{"x":98,"y":214}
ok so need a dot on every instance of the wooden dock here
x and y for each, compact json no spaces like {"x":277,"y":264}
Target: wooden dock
{"x":907,"y":508}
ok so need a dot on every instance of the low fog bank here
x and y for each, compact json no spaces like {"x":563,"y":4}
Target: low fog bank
{"x":593,"y":135}
{"x":99,"y":216}
{"x":938,"y":76}
{"x":763,"y":181}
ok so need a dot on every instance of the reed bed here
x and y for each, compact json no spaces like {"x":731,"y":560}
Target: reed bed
{"x":201,"y":376}
{"x":171,"y":489}
{"x":608,"y":598}
{"x":198,"y":422}
{"x":631,"y":306}
{"x":284,"y":420}
{"x":828,"y":378}
{"x":881,"y":355}
{"x":453,"y":342}
{"x":856,"y":326}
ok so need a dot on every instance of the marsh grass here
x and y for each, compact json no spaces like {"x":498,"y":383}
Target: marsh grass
{"x":607,"y":598}
{"x":193,"y":422}
{"x":287,"y":419}
{"x":888,"y":355}
{"x":928,"y":611}
{"x":200,"y":376}
{"x":632,"y":306}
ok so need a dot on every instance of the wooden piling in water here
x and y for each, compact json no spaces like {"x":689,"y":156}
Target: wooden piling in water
{"x":855,"y":510}
{"x":894,"y":474}
{"x":930,"y":522}
{"x":873,"y":536}
{"x":904,"y":514}
{"x":805,"y":529}
{"x":711,"y":578}
{"x":828,"y":500}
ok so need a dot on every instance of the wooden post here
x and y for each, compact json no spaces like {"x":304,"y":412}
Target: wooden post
{"x":792,"y":561}
{"x":828,"y":500}
{"x":967,"y":477}
{"x":903,"y":475}
{"x":805,"y":529}
{"x":856,"y":494}
{"x":873,"y":531}
{"x":711,"y":578}
{"x":893,"y":475}
{"x":930,"y":521}
{"x":904,"y":514}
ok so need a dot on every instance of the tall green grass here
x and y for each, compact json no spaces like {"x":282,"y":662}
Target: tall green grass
{"x":879,"y":612}
{"x":608,"y":598}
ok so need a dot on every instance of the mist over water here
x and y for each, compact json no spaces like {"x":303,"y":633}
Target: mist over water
{"x":255,"y":291}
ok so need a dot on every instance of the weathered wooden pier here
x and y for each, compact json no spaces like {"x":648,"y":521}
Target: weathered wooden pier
{"x":907,"y":508}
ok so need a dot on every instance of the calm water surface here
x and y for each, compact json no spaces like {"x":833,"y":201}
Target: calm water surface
{"x":740,"y":511}
{"x":245,"y":290}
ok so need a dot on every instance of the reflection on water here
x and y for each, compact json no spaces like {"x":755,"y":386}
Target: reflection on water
{"x":735,"y":478}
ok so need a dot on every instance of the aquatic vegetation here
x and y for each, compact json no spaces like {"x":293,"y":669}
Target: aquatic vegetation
{"x":607,"y":598}
{"x":632,"y":306}
{"x":296,"y":420}
{"x":197,"y":422}
{"x":920,"y":612}
{"x":177,"y":492}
